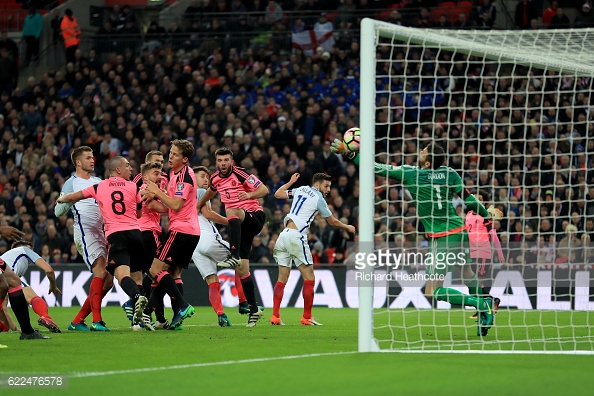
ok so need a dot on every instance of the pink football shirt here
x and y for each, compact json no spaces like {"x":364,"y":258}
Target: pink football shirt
{"x":118,"y":199}
{"x":480,"y":237}
{"x":183,"y":185}
{"x":230,"y":186}
{"x":150,"y":220}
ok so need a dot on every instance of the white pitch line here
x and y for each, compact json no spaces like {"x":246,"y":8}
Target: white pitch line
{"x":491,"y":342}
{"x":207,"y":364}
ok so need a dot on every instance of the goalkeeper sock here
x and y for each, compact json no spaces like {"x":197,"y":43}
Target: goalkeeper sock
{"x":454,"y":296}
{"x":474,"y":286}
{"x":279,"y":291}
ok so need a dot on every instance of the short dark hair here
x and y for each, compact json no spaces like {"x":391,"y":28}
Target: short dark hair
{"x":78,"y":152}
{"x":320,"y":177}
{"x":20,"y":242}
{"x":151,"y":154}
{"x":201,"y":168}
{"x":185,"y":146}
{"x":435,"y":155}
{"x":223,"y":151}
{"x":485,"y":194}
{"x":115,"y":162}
{"x":147,"y":166}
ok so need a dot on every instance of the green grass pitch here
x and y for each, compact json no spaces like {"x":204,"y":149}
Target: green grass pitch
{"x":269,"y":360}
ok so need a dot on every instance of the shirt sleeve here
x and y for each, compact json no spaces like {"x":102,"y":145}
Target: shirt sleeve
{"x":389,"y":171}
{"x":323,"y":207}
{"x":212,"y":184}
{"x":31,"y":254}
{"x":62,"y":208}
{"x":251,"y":183}
{"x":90,"y":192}
{"x":200,"y":193}
{"x":183,"y":190}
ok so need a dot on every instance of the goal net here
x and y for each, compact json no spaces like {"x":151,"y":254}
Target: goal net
{"x":513,"y":111}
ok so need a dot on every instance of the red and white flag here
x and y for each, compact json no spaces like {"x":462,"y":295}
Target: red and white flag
{"x":309,"y":40}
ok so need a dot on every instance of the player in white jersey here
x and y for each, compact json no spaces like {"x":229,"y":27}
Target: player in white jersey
{"x":212,"y":248}
{"x":18,"y":258}
{"x":292,"y":246}
{"x":88,"y":237}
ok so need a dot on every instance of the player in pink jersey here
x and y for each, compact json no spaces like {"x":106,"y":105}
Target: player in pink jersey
{"x":239,"y":192}
{"x":178,"y":245}
{"x":150,"y":244}
{"x":150,"y":227}
{"x":121,"y":207}
{"x":153,"y":156}
{"x":480,"y":237}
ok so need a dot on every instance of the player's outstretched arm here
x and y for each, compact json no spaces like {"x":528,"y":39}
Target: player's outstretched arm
{"x":51,"y":276}
{"x":334,"y":222}
{"x":389,"y":171}
{"x":281,"y":193}
{"x":213,"y":216}
{"x":11,"y":233}
{"x":71,"y":198}
{"x":61,"y":208}
{"x":208,"y":195}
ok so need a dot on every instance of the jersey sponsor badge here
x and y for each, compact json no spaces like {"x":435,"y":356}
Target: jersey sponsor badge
{"x":180,"y":186}
{"x":179,"y":193}
{"x":251,"y":180}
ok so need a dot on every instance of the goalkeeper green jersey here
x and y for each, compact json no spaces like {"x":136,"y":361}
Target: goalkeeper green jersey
{"x":432,"y":191}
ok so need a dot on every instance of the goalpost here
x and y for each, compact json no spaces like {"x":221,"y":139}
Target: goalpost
{"x":513,"y":111}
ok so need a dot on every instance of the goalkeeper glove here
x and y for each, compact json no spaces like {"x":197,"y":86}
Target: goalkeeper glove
{"x":495,"y":213}
{"x":338,"y":147}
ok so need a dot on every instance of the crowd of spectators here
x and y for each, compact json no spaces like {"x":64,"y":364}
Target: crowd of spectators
{"x":523,"y":135}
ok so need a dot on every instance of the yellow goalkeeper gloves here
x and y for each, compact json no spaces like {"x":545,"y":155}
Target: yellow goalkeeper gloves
{"x":339,"y":147}
{"x":495,"y":213}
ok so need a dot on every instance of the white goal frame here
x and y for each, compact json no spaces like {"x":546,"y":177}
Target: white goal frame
{"x":565,"y":52}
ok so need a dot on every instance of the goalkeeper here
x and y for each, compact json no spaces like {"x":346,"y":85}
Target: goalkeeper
{"x":432,"y":186}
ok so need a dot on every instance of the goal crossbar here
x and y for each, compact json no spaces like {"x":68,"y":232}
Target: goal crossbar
{"x":563,"y":50}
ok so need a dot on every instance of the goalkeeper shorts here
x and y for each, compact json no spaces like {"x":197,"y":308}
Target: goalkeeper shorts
{"x":447,"y":253}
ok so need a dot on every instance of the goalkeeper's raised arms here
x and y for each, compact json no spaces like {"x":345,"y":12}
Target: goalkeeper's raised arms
{"x":339,"y":147}
{"x":495,"y":213}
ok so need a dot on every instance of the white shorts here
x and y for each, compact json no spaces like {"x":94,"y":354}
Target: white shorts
{"x":208,"y":253}
{"x":91,"y":246}
{"x":292,"y":247}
